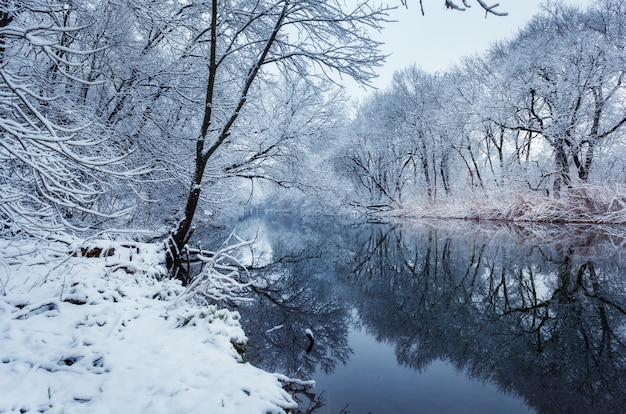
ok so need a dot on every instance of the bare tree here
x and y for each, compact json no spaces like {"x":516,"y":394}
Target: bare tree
{"x":245,"y":41}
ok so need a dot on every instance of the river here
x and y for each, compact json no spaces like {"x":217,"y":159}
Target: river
{"x":439,"y":317}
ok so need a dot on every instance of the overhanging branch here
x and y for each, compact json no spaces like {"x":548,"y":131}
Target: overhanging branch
{"x":450,"y":4}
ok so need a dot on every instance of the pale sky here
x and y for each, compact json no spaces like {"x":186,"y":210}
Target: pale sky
{"x":439,"y":39}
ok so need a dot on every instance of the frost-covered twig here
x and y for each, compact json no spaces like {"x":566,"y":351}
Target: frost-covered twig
{"x":295,"y":381}
{"x":221,"y":275}
{"x":4,"y":282}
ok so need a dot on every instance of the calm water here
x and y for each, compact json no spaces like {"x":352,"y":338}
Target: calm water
{"x":440,"y":318}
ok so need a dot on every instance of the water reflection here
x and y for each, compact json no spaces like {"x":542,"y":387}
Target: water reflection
{"x":540,"y":320}
{"x":539,"y":314}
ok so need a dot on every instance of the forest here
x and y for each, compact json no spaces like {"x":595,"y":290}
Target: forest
{"x":531,"y":131}
{"x":130,"y":115}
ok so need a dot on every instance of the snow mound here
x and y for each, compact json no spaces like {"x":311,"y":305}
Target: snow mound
{"x":103,"y":333}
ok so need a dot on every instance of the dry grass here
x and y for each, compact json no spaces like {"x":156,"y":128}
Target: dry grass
{"x":589,"y":204}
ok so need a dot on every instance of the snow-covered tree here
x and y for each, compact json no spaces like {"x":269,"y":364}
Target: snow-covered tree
{"x":373,"y":158}
{"x":539,"y":113}
{"x":56,"y":162}
{"x":245,"y":44}
{"x":565,"y":79}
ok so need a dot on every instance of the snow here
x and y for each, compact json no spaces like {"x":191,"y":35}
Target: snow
{"x":106,"y":335}
{"x":275,"y":328}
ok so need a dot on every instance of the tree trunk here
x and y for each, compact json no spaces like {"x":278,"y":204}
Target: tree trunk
{"x":183,"y":232}
{"x":425,"y":168}
{"x":5,"y":20}
{"x":562,"y":173}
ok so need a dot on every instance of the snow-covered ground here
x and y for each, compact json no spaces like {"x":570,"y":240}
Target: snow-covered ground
{"x":104,"y":335}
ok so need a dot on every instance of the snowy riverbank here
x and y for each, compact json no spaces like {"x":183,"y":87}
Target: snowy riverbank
{"x":104,"y":335}
{"x":585,"y":204}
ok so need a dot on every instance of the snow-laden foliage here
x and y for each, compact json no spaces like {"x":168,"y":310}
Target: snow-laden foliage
{"x":56,"y":161}
{"x":586,"y":203}
{"x":96,"y":91}
{"x":538,"y":121}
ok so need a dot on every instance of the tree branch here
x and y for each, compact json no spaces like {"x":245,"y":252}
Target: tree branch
{"x":450,"y":4}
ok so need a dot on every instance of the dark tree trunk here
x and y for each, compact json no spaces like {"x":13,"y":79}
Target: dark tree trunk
{"x":5,"y":20}
{"x":182,"y":233}
{"x":562,"y":173}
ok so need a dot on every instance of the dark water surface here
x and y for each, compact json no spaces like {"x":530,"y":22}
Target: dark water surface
{"x":440,"y":318}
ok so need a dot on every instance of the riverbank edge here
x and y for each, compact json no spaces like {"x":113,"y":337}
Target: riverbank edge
{"x":98,"y":327}
{"x":583,"y":205}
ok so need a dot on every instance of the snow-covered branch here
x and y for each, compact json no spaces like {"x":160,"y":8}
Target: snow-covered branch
{"x":56,"y":159}
{"x":220,"y":279}
{"x":453,"y":5}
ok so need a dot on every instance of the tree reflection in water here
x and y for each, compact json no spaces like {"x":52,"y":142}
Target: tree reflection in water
{"x":540,"y":314}
{"x":544,"y":321}
{"x":295,"y":292}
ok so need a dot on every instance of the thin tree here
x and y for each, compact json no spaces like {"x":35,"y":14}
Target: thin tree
{"x":252,"y":39}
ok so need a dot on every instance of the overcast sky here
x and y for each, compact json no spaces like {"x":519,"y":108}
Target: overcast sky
{"x":439,"y":39}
